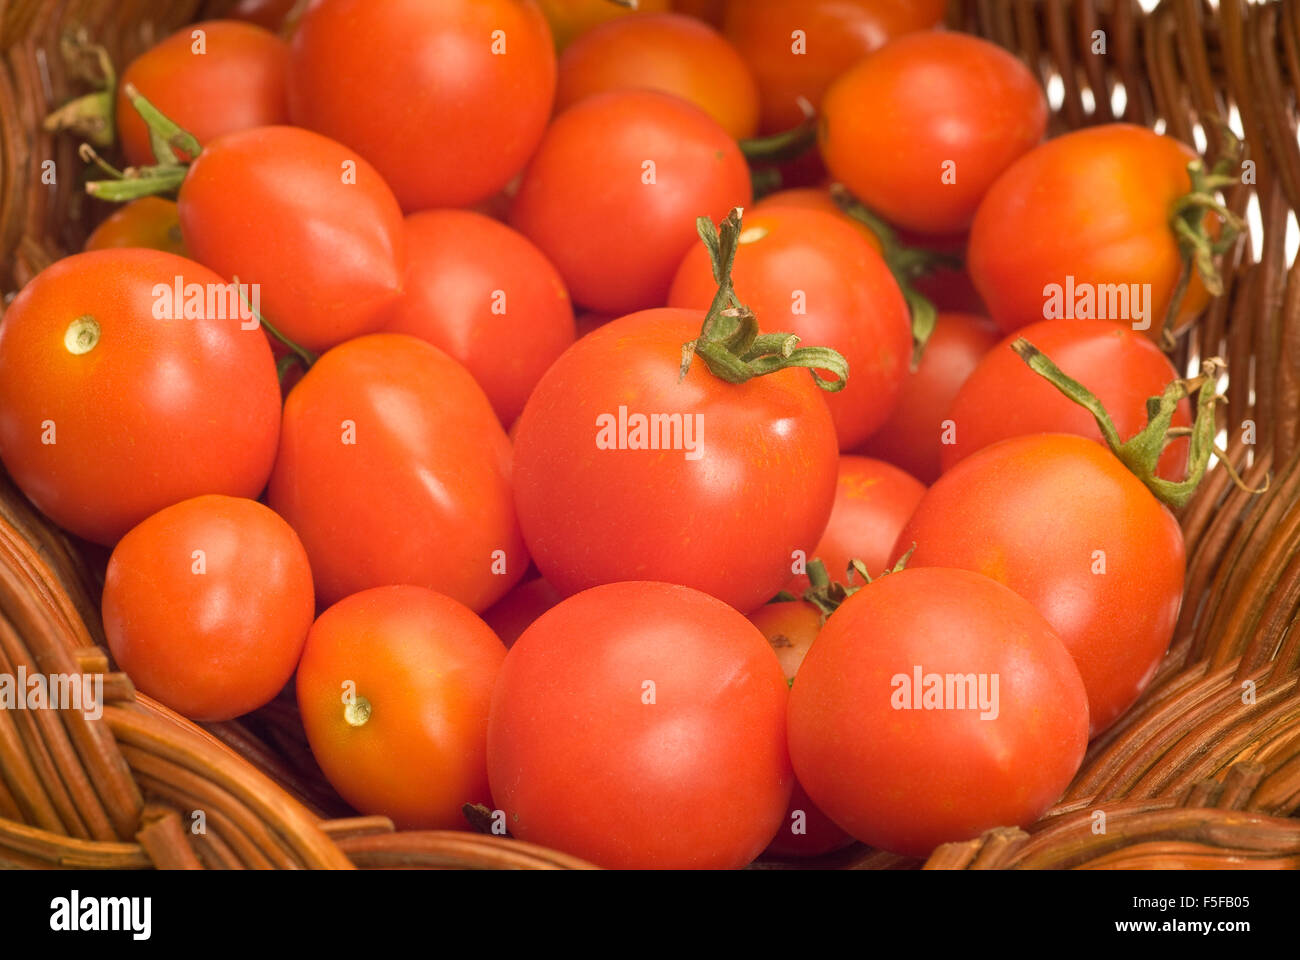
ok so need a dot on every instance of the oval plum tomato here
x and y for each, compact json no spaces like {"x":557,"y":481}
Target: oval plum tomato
{"x":207,"y":605}
{"x":964,"y":108}
{"x":816,"y":198}
{"x":612,"y":194}
{"x":514,"y":613}
{"x":1063,"y":523}
{"x":150,"y":222}
{"x":811,"y":274}
{"x":873,"y":502}
{"x":670,"y":752}
{"x":1086,"y":216}
{"x":394,"y":469}
{"x":484,"y":294}
{"x":912,"y":436}
{"x":117,"y":400}
{"x":211,"y":78}
{"x":570,"y":19}
{"x":304,"y":218}
{"x":797,"y":47}
{"x":1004,"y":398}
{"x":394,"y":688}
{"x":940,"y":678}
{"x":667,"y":52}
{"x":739,"y":475}
{"x":447,"y":100}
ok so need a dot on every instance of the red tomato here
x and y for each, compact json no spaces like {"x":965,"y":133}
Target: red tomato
{"x":110,"y":410}
{"x":669,"y":751}
{"x":912,"y":437}
{"x":904,"y":763}
{"x":484,"y":294}
{"x":919,"y":129}
{"x":211,"y":78}
{"x":394,"y":469}
{"x":1004,"y":398}
{"x":1064,"y":524}
{"x":613,"y":192}
{"x":447,"y":100}
{"x":514,"y":613}
{"x":148,"y":222}
{"x":809,"y":273}
{"x":744,"y":475}
{"x":815,"y":198}
{"x":571,"y":18}
{"x":394,"y":688}
{"x":265,"y":13}
{"x":207,"y":605}
{"x":304,"y":218}
{"x":710,"y":11}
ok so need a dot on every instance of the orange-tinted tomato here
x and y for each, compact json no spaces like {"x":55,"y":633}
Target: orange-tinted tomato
{"x":148,"y":222}
{"x":571,"y":18}
{"x":815,"y":198}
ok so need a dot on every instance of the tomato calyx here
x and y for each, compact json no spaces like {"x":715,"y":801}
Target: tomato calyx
{"x":827,"y":595}
{"x":91,"y":115}
{"x":778,"y":148}
{"x":169,"y":141}
{"x":730,"y":342}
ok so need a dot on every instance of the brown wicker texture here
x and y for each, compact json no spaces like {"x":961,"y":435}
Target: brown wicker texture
{"x":1203,"y":772}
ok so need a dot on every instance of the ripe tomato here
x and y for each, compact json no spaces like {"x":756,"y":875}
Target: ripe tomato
{"x":394,"y":469}
{"x":148,"y":222}
{"x":1089,"y":209}
{"x":667,"y":52}
{"x":571,"y":18}
{"x":743,"y":474}
{"x":612,"y":194}
{"x":447,"y":100}
{"x":1064,"y":524}
{"x":514,"y":613}
{"x":207,"y":604}
{"x":963,"y":108}
{"x":265,"y":13}
{"x":912,"y":437}
{"x":394,"y":688}
{"x":710,"y":11}
{"x":484,"y":294}
{"x":904,"y":766}
{"x":1004,"y":398}
{"x":110,"y":410}
{"x":670,"y":750}
{"x":815,"y":198}
{"x":811,"y":274}
{"x":211,"y":78}
{"x":307,"y":220}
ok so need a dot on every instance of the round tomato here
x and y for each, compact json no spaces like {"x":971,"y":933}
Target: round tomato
{"x":613,"y":192}
{"x":150,"y":222}
{"x":815,"y":198}
{"x":710,"y":11}
{"x":207,"y":605}
{"x":447,"y":100}
{"x":670,"y":750}
{"x":117,"y":401}
{"x":514,"y":613}
{"x":571,"y":18}
{"x":394,"y":688}
{"x":265,"y":13}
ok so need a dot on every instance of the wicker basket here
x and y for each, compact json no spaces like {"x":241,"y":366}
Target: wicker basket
{"x":1195,"y":775}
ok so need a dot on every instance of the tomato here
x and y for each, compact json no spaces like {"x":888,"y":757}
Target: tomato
{"x":797,"y":47}
{"x":905,"y":764}
{"x":669,"y":751}
{"x":947,"y":285}
{"x":448,"y":100}
{"x":307,"y":220}
{"x":265,"y":13}
{"x":110,"y":410}
{"x":912,"y":437}
{"x":571,"y":18}
{"x":666,"y":52}
{"x":613,"y":192}
{"x":815,"y":198}
{"x":1063,"y":523}
{"x":394,"y":469}
{"x":1004,"y":398}
{"x":484,"y":294}
{"x":811,"y":274}
{"x":394,"y":688}
{"x":148,"y":222}
{"x":207,"y":604}
{"x":710,"y":11}
{"x":517,"y":610}
{"x":744,"y":474}
{"x":1080,"y":213}
{"x":211,"y":78}
{"x":919,"y":129}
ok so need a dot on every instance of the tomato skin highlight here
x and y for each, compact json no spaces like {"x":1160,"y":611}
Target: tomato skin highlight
{"x":669,"y":754}
{"x":148,"y":222}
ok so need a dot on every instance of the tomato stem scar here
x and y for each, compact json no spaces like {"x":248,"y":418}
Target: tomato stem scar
{"x":82,"y":335}
{"x":357,"y":712}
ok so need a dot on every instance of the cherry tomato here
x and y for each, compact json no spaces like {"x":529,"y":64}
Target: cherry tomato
{"x":1064,"y":524}
{"x":710,"y":11}
{"x":613,"y":192}
{"x":815,"y":198}
{"x":517,"y":610}
{"x":569,"y":19}
{"x":207,"y":604}
{"x":668,"y":752}
{"x":115,"y":402}
{"x":211,"y":78}
{"x":448,"y":100}
{"x":265,"y":13}
{"x":394,"y":469}
{"x":744,"y":474}
{"x":484,"y":294}
{"x":394,"y":688}
{"x":148,"y":222}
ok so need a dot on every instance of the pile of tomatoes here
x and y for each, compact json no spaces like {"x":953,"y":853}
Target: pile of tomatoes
{"x":814,"y":524}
